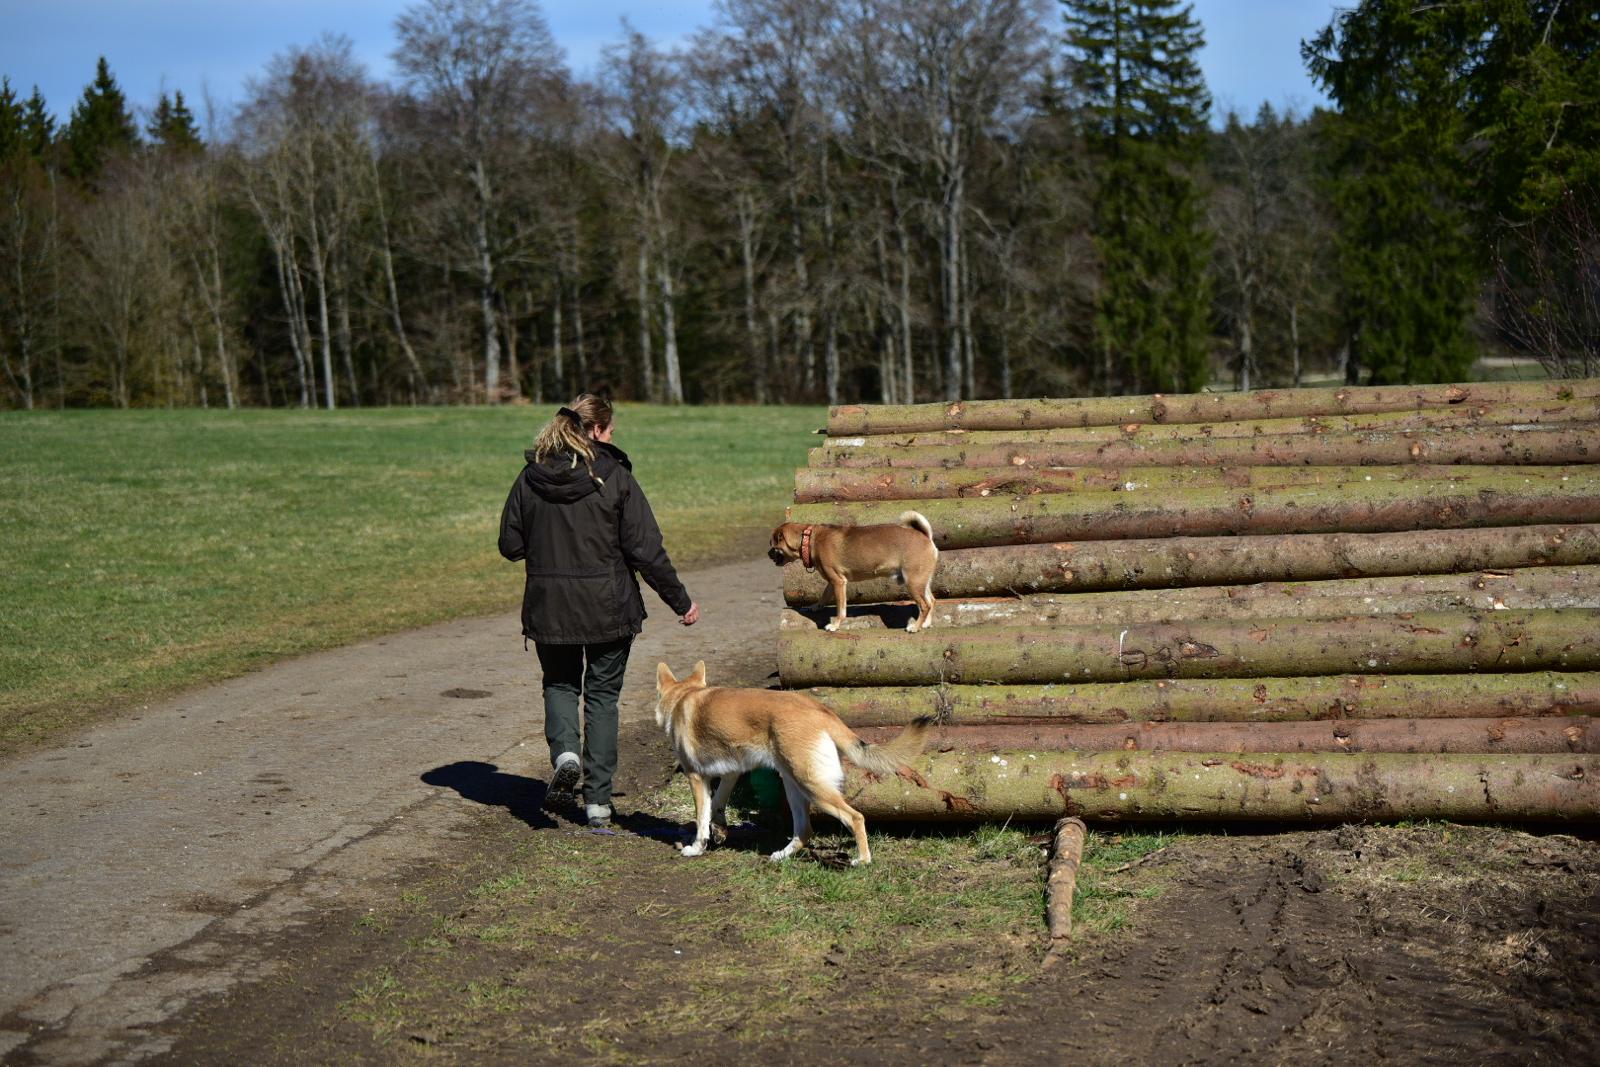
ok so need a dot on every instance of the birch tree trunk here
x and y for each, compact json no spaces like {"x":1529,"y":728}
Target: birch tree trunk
{"x":486,"y":286}
{"x":646,"y":359}
{"x":386,"y":257}
{"x":557,"y":367}
{"x":755,"y":358}
{"x":319,"y":276}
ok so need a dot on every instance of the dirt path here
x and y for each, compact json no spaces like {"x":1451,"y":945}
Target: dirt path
{"x":335,"y":861}
{"x":232,"y":813}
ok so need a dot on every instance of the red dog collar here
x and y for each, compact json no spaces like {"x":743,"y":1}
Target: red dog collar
{"x":805,"y":548}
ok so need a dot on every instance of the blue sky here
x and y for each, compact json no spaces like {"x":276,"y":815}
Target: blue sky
{"x":1252,"y":52}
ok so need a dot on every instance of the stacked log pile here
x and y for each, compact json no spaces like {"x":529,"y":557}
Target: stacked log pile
{"x":1313,"y":604}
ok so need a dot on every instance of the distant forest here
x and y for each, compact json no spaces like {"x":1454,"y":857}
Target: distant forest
{"x":817,"y":200}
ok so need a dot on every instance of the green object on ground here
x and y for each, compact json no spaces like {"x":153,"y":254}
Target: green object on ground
{"x":760,"y":790}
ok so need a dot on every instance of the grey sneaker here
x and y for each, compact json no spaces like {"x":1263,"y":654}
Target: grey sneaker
{"x":565,"y":776}
{"x":599,"y":815}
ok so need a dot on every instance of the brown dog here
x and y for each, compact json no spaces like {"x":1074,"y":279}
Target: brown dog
{"x":843,"y":554}
{"x":729,"y":731}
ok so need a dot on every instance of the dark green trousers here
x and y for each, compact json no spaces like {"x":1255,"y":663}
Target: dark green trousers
{"x":594,"y":672}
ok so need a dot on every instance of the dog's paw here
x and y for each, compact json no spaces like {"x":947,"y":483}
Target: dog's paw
{"x":912,"y":627}
{"x":859,"y":862}
{"x":696,"y":849}
{"x":832,"y":627}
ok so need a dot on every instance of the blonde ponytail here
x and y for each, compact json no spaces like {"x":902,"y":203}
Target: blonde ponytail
{"x":569,"y":432}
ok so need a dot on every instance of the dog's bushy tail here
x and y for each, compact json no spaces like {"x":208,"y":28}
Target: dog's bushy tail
{"x":916,"y":521}
{"x":888,"y":757}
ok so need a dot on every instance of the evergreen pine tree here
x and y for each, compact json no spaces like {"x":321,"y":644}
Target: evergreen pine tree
{"x":1132,"y":66}
{"x":172,"y":126}
{"x":1534,"y":108}
{"x":12,"y":119}
{"x":38,"y":126}
{"x":100,"y":126}
{"x":1406,"y":261}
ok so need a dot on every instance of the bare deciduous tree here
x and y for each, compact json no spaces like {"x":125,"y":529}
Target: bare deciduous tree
{"x":477,"y":71}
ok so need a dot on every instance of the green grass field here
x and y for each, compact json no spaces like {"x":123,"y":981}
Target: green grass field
{"x":144,"y":551}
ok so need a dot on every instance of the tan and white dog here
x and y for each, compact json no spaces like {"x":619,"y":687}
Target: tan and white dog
{"x":726,"y":732}
{"x":844,"y":554}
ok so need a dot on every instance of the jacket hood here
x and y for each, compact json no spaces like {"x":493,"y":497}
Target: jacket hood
{"x":564,"y":478}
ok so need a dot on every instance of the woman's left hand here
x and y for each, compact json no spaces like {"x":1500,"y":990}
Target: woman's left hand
{"x":690,"y":617}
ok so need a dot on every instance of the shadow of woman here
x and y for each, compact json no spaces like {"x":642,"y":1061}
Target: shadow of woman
{"x":487,"y":784}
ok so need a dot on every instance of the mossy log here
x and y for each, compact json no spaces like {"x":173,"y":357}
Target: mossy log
{"x":1455,"y":418}
{"x":1424,"y":643}
{"x":1164,"y":562}
{"x":1565,"y":734}
{"x":1275,"y":787}
{"x":815,"y":485}
{"x":1354,"y":507}
{"x":1531,"y":587}
{"x":1195,"y":407}
{"x":1537,"y":446}
{"x":1340,"y":697}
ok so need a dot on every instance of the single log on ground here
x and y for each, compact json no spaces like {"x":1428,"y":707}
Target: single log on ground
{"x":813,"y":485}
{"x":1065,"y":856}
{"x":1563,"y":734}
{"x":1295,"y":699}
{"x":1485,"y":446}
{"x":1424,"y":643}
{"x":1529,"y":587}
{"x":1154,"y":563}
{"x":1456,"y":418}
{"x":1353,"y":507}
{"x":1194,"y":407}
{"x":1164,"y":786}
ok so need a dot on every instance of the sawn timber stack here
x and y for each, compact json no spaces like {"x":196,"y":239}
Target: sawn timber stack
{"x":1298,"y":605}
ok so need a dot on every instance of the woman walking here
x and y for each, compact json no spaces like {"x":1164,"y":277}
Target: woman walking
{"x":584,"y":528}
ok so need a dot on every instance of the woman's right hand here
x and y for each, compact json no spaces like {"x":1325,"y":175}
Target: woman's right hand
{"x":690,"y":617}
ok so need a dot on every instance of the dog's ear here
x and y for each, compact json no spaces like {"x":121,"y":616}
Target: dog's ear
{"x":664,"y":677}
{"x":698,"y":677}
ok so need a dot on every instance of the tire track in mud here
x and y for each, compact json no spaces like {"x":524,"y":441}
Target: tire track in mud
{"x":1258,"y":950}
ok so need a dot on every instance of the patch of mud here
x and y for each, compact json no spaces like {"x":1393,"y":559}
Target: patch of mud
{"x":1360,"y":944}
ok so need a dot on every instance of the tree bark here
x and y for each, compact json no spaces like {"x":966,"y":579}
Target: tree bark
{"x":1576,"y":733}
{"x":1161,"y":787}
{"x":1157,"y":563}
{"x":1295,"y":699}
{"x":1481,"y":445}
{"x":845,"y":484}
{"x":1351,"y":507}
{"x":1456,"y":418}
{"x":1421,"y":643}
{"x":1194,"y":407}
{"x":1065,"y":856}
